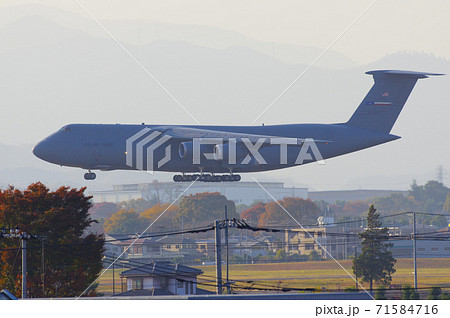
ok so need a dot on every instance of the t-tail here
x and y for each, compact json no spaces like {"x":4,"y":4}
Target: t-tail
{"x":382,"y":105}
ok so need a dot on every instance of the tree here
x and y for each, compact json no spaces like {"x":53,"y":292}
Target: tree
{"x":409,"y":293}
{"x":375,"y":263}
{"x":447,"y":203}
{"x":303,"y":211}
{"x":165,"y":215}
{"x":125,"y":222}
{"x":434,"y":293}
{"x":445,"y":296}
{"x":138,"y":205}
{"x":103,"y":210}
{"x":281,"y":255}
{"x":394,"y":203}
{"x":314,"y":256}
{"x":203,"y":208}
{"x":72,"y":259}
{"x":431,"y":196}
{"x":380,"y":293}
{"x":254,"y":213}
{"x":439,"y":221}
{"x":355,"y":207}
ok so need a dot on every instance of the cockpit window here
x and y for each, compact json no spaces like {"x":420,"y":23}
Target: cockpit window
{"x":65,"y":129}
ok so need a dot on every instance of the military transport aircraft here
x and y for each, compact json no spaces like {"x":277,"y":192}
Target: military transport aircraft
{"x":220,"y":153}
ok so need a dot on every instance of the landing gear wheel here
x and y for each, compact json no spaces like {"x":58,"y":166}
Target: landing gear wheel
{"x":89,"y":176}
{"x":177,"y":178}
{"x":206,"y":178}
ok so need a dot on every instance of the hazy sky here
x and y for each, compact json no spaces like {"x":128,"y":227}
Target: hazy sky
{"x":388,"y":26}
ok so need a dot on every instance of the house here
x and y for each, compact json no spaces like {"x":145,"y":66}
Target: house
{"x":161,"y":278}
{"x":334,"y":240}
{"x":179,"y":248}
{"x":237,"y":245}
{"x":6,"y":295}
{"x":142,"y":248}
{"x":113,"y":243}
{"x":206,"y":247}
{"x":249,"y":248}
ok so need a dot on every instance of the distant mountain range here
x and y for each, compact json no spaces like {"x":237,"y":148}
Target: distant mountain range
{"x":140,"y":32}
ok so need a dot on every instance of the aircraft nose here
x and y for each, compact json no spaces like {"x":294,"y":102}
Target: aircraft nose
{"x":41,"y":150}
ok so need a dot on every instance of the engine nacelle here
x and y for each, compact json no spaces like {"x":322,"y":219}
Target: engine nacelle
{"x":185,"y":149}
{"x":231,"y":152}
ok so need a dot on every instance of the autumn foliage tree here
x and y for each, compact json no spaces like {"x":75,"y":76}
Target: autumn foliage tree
{"x":103,"y":210}
{"x":203,"y":208}
{"x":303,"y":211}
{"x":72,"y":259}
{"x":125,"y":222}
{"x":164,"y":215}
{"x":253,"y":214}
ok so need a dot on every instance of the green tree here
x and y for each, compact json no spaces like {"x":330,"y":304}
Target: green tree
{"x":445,"y":296}
{"x":281,"y":255}
{"x":380,"y":293}
{"x":407,"y":292}
{"x":434,"y":293}
{"x":314,"y":256}
{"x":415,"y":295}
{"x":375,"y":263}
{"x":431,"y":197}
{"x":439,"y":221}
{"x":446,"y":207}
{"x":73,"y":257}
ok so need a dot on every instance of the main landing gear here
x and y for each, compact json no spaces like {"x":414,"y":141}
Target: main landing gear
{"x":89,"y":175}
{"x":207,"y":178}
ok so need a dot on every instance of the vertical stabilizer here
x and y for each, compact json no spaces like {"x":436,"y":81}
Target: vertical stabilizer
{"x":382,"y":105}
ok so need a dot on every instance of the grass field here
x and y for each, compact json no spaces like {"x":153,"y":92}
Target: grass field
{"x":329,"y":275}
{"x":304,"y":275}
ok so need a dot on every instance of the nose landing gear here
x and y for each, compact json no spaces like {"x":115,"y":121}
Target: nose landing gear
{"x":90,"y":175}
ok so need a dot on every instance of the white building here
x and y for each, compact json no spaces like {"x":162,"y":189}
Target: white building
{"x":239,"y":192}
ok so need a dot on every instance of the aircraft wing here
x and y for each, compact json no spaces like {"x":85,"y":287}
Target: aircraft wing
{"x":190,"y":133}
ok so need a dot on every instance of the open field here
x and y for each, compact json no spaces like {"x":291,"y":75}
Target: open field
{"x":304,"y":275}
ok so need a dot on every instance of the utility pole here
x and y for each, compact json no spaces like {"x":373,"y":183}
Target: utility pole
{"x":43,"y":267}
{"x":356,"y":267}
{"x":23,"y":236}
{"x":218,"y":258}
{"x":226,"y":244}
{"x":114,"y":282}
{"x":24,"y":268}
{"x":414,"y":250}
